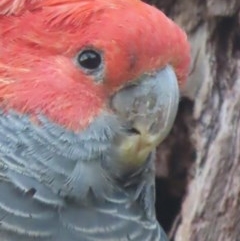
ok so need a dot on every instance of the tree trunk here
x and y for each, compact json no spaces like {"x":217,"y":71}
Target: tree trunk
{"x":207,"y":183}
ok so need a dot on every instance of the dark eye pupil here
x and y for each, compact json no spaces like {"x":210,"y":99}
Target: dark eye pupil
{"x":89,"y":59}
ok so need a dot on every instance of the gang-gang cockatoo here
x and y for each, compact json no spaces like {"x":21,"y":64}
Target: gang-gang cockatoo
{"x":88,"y":89}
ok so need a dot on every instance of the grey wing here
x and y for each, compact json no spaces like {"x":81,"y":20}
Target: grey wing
{"x":24,"y":218}
{"x":32,"y":210}
{"x":26,"y":206}
{"x":21,"y":216}
{"x":48,"y":218}
{"x":111,"y":222}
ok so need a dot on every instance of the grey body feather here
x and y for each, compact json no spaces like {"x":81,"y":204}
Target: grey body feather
{"x":58,"y":185}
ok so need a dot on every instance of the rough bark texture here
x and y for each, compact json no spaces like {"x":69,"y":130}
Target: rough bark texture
{"x":201,"y":157}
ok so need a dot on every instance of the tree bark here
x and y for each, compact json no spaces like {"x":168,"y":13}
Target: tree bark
{"x":210,"y":210}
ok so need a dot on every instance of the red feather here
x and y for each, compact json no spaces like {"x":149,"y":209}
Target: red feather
{"x":40,"y":39}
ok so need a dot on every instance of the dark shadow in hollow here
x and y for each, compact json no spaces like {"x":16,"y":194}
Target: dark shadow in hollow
{"x":176,"y":156}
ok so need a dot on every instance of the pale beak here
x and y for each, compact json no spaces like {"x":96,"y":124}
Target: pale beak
{"x":148,"y":109}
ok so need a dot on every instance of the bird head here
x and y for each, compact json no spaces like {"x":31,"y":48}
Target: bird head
{"x":76,"y":62}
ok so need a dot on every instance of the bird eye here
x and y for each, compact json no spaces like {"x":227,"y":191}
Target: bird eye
{"x":89,"y":59}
